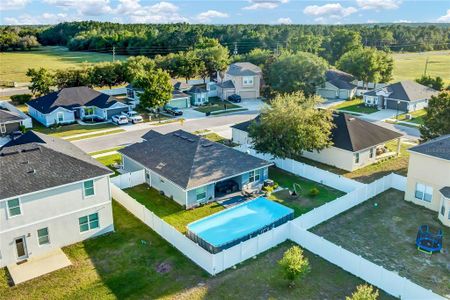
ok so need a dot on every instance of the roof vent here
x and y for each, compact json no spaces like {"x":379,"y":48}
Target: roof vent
{"x":191,"y":140}
{"x":32,"y":171}
{"x":207,"y":145}
{"x":176,"y":134}
{"x":10,"y":153}
{"x":351,"y":119}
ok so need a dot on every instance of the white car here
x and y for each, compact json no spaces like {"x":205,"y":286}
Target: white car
{"x":120,"y":119}
{"x":133,"y":117}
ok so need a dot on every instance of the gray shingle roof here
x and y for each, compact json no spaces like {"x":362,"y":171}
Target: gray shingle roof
{"x":407,"y":90}
{"x":350,"y":133}
{"x":35,"y":162}
{"x":70,"y":98}
{"x":445,"y":191}
{"x":243,"y":69}
{"x":189,"y":160}
{"x":227,"y":84}
{"x":340,"y":79}
{"x":8,"y":116}
{"x":179,"y":85}
{"x":438,"y":147}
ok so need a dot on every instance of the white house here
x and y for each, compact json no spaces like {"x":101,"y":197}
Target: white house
{"x":241,"y":78}
{"x":337,"y":85}
{"x":356,"y":143}
{"x":69,"y":104}
{"x":52,"y":195}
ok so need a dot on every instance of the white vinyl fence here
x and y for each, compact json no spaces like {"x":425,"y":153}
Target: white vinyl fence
{"x":127,"y":180}
{"x":304,"y":170}
{"x":114,"y":91}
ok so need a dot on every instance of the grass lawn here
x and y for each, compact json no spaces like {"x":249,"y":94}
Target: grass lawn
{"x":417,"y":117}
{"x":303,"y":202}
{"x":110,"y":160}
{"x":356,"y":105}
{"x":15,"y":64}
{"x":121,"y":266}
{"x":411,"y":65}
{"x":106,"y":150}
{"x":214,"y":137}
{"x":216,"y":104}
{"x":167,"y":209}
{"x":398,"y":165}
{"x":72,"y":129}
{"x":95,"y":134}
{"x":385,"y":234}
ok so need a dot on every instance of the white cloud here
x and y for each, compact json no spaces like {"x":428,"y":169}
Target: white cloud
{"x":327,"y":11}
{"x":84,"y":7}
{"x":13,"y":4}
{"x":378,"y":4}
{"x":207,"y":16}
{"x":445,"y":18}
{"x":285,"y":21}
{"x":45,"y":18}
{"x":162,"y":12}
{"x":264,"y":4}
{"x":402,"y":21}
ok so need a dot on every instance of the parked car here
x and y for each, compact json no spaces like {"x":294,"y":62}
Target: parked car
{"x":174,"y":111}
{"x":234,"y":98}
{"x":133,"y":116}
{"x":120,"y":119}
{"x":226,"y":186}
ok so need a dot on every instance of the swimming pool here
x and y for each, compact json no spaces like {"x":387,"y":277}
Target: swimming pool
{"x":239,"y":223}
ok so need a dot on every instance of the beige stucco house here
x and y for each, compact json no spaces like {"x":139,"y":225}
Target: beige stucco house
{"x":356,"y":143}
{"x":242,"y":78}
{"x":428,"y":182}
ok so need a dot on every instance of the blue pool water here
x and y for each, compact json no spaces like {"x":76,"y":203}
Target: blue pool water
{"x":228,"y":227}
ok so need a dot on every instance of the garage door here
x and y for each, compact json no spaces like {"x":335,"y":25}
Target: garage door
{"x":180,"y":103}
{"x":328,"y":94}
{"x":115,"y":111}
{"x":392,"y":104}
{"x":248,"y":95}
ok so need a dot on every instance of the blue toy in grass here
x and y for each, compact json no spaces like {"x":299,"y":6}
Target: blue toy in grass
{"x":428,"y":242}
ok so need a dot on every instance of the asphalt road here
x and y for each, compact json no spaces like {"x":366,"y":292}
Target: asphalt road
{"x":130,"y":137}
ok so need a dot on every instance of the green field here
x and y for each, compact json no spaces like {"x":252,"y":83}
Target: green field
{"x":412,"y":65}
{"x":14,"y":65}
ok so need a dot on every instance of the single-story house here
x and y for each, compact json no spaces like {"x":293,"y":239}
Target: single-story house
{"x":199,"y":95}
{"x":187,"y":167}
{"x":405,"y":96}
{"x":338,"y":85}
{"x":428,"y":181}
{"x":69,"y":104}
{"x":356,"y":143}
{"x":179,"y":98}
{"x":241,"y":78}
{"x":52,"y":195}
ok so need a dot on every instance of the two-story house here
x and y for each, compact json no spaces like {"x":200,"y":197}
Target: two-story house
{"x":241,"y":78}
{"x":52,"y":195}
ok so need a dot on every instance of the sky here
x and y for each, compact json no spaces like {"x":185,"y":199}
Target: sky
{"x":15,"y":12}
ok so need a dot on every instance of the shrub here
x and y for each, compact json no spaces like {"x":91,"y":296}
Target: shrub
{"x":294,"y":265}
{"x":21,"y":98}
{"x":314,"y":192}
{"x":364,"y":292}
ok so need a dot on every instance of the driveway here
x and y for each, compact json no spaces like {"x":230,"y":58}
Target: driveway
{"x":190,"y":113}
{"x":381,"y":115}
{"x":252,"y":104}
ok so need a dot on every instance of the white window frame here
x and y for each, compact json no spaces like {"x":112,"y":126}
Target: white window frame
{"x":48,"y":237}
{"x":8,"y":208}
{"x":59,"y":113}
{"x":89,"y":222}
{"x":423,"y":188}
{"x":204,"y":191}
{"x":84,"y":188}
{"x":2,"y":128}
{"x":357,"y":158}
{"x":248,"y":80}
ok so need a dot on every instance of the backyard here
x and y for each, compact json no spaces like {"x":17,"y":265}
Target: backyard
{"x":356,"y":106}
{"x":305,"y":200}
{"x":216,"y":104}
{"x":383,"y":230}
{"x":110,"y":161}
{"x":15,"y":64}
{"x":135,"y":263}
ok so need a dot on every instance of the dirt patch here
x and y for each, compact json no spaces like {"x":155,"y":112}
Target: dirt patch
{"x":164,"y":267}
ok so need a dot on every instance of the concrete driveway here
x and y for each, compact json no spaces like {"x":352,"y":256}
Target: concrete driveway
{"x":192,"y":114}
{"x":381,"y":115}
{"x":252,"y":104}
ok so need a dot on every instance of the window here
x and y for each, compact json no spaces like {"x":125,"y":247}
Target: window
{"x":43,"y":236}
{"x":443,"y":210}
{"x":253,"y":176}
{"x":424,"y":192}
{"x":247,"y":80}
{"x":201,"y":193}
{"x":371,"y":153}
{"x":2,"y":128}
{"x":356,"y":158}
{"x":88,"y":222}
{"x":14,"y":207}
{"x":60,"y":117}
{"x":88,"y":111}
{"x":88,"y":187}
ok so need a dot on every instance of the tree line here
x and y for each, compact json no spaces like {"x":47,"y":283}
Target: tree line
{"x":19,"y":38}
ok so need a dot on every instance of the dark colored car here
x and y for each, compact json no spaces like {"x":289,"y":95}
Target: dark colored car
{"x":226,"y":187}
{"x":174,"y":111}
{"x":235,"y":98}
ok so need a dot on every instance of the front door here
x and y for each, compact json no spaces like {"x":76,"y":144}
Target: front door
{"x":21,"y":248}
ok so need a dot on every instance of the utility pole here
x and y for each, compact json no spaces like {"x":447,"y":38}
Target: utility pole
{"x":235,"y":51}
{"x":426,"y":67}
{"x":277,"y":50}
{"x":114,"y":53}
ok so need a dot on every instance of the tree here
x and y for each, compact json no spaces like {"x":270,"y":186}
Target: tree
{"x":136,"y":65}
{"x":292,"y":125}
{"x":341,"y":42}
{"x":436,"y":83}
{"x":364,"y":292}
{"x":107,"y":74}
{"x":74,"y":77}
{"x":188,"y":65}
{"x":257,"y":56}
{"x":294,"y":265}
{"x":214,"y":56}
{"x":296,"y":72}
{"x":157,"y":88}
{"x":436,"y":122}
{"x":41,"y":81}
{"x":367,"y":64}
